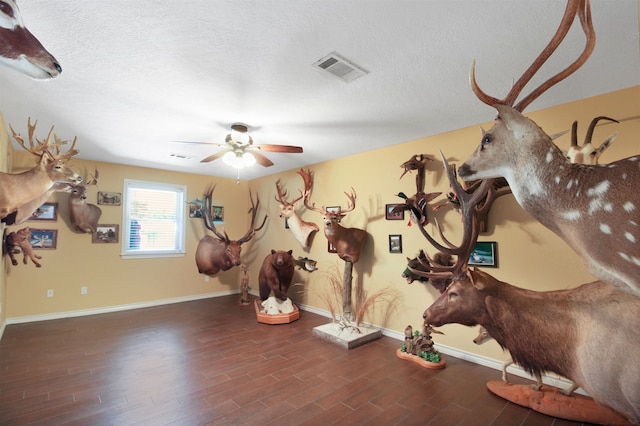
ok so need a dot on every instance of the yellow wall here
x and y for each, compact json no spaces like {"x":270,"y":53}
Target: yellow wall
{"x":529,"y":255}
{"x":112,"y":281}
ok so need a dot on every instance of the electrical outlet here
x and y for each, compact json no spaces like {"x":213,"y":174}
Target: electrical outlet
{"x":50,"y":292}
{"x":83,"y":290}
{"x":206,"y":278}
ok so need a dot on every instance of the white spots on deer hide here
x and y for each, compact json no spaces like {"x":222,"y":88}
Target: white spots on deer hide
{"x":599,"y":190}
{"x":633,"y":223}
{"x":557,"y":179}
{"x":571,"y":215}
{"x":630,"y":259}
{"x":628,"y":207}
{"x":550,"y":156}
{"x":606,"y":229}
{"x":608,"y":207}
{"x":635,"y":158}
{"x":624,"y":176}
{"x":629,"y":236}
{"x":595,"y":205}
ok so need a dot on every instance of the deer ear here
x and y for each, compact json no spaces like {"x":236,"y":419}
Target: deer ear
{"x":515,"y":122}
{"x":478,"y":279}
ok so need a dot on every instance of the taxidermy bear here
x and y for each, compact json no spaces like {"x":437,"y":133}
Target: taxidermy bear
{"x":276,"y":274}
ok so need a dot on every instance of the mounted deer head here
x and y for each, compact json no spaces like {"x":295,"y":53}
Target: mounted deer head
{"x":348,"y":242}
{"x":302,"y":230}
{"x":221,"y":253}
{"x":83,"y":216}
{"x":594,"y":208}
{"x":587,"y":153}
{"x":16,"y":190}
{"x":19,"y":49}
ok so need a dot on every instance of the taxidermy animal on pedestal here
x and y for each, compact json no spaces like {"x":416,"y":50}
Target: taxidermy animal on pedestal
{"x":276,"y":274}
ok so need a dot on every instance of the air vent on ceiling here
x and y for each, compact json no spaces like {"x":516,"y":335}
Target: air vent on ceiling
{"x":180,"y":156}
{"x":340,"y":67}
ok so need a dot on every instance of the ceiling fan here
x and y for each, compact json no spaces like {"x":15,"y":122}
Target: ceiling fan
{"x":239,"y":150}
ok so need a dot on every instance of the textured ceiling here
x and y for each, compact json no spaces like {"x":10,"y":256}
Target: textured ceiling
{"x":138,"y":75}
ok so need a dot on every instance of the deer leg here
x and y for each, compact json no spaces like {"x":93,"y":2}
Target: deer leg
{"x":504,"y":370}
{"x":568,"y":391}
{"x":538,"y":384}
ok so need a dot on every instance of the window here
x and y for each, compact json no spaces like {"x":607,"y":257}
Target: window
{"x":153,"y":222}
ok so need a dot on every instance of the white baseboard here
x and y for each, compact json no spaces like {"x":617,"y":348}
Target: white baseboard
{"x":117,"y":308}
{"x":495,"y":364}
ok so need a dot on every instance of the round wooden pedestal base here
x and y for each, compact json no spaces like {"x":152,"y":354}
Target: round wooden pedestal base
{"x":276,"y":318}
{"x":550,"y":401}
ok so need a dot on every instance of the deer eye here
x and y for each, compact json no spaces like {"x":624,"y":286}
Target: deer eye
{"x":486,"y":140}
{"x":453,"y":294}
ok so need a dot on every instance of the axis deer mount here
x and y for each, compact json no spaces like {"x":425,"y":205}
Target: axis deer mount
{"x":595,"y":209}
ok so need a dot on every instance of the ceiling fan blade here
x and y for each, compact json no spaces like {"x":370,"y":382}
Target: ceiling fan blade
{"x":214,"y":156}
{"x":279,"y":148}
{"x":261,"y":159}
{"x":200,"y":143}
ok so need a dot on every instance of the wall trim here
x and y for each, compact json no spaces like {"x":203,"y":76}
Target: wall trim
{"x":116,"y":308}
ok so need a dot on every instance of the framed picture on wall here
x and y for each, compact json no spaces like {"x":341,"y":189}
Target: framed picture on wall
{"x":47,"y":211}
{"x":46,"y":239}
{"x":395,"y":243}
{"x":109,"y":198}
{"x":391,"y":215}
{"x":484,"y":254}
{"x":218,"y":213}
{"x":105,"y":234}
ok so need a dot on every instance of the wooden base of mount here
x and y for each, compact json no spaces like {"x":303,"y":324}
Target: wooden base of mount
{"x":276,"y":318}
{"x":421,"y":362}
{"x":550,"y":401}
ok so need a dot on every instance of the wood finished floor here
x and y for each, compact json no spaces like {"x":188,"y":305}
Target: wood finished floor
{"x":211,"y":362}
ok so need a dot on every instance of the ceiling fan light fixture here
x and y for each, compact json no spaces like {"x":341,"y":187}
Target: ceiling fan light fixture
{"x":239,"y":134}
{"x":239,"y":160}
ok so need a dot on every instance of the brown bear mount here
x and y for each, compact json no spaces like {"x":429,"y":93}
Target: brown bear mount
{"x":276,"y":274}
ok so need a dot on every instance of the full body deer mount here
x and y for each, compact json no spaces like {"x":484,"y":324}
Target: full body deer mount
{"x":17,"y":190}
{"x":83,"y":216}
{"x":221,"y":253}
{"x":568,"y":326}
{"x":302,"y":230}
{"x":20,"y":241}
{"x":595,"y":209}
{"x":19,"y":49}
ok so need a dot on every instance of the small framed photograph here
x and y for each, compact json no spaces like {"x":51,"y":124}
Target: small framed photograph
{"x":331,"y":248}
{"x":46,"y":239}
{"x":484,"y":254}
{"x":218,"y":213}
{"x":47,"y":211}
{"x":395,"y":243}
{"x":105,"y":234}
{"x":195,"y":211}
{"x":391,"y":215}
{"x":109,"y":198}
{"x":333,"y":209}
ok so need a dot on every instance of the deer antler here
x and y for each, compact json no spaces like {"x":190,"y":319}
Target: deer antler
{"x":589,"y":135}
{"x":579,"y":7}
{"x":282,"y":195}
{"x":252,"y":229}
{"x":352,"y":201}
{"x":307,"y":177}
{"x":470,"y":206}
{"x":39,"y":147}
{"x":207,"y":215}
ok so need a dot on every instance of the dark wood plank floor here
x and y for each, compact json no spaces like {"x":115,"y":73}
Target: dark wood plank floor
{"x":211,"y":362}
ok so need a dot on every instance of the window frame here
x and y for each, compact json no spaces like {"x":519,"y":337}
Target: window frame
{"x":180,"y":236}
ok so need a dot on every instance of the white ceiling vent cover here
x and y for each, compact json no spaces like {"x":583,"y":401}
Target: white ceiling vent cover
{"x":340,"y":67}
